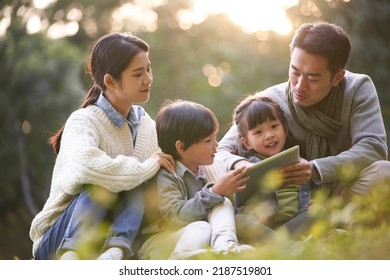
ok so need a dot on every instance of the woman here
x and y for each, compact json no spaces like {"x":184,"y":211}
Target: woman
{"x":105,"y":151}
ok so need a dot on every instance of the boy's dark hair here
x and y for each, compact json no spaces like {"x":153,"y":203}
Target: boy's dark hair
{"x":185,"y":121}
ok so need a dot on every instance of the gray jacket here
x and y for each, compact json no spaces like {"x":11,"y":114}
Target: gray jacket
{"x":176,"y":201}
{"x":361,"y":141}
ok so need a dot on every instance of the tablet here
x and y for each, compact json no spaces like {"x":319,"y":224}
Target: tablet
{"x":264,"y":176}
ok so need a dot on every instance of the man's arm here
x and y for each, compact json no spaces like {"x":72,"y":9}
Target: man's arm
{"x":225,"y":149}
{"x":366,"y":129}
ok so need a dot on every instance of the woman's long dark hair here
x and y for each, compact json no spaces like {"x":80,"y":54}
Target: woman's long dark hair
{"x":111,"y":54}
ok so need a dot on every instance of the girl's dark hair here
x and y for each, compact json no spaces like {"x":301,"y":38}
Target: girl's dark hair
{"x":252,"y":111}
{"x":325,"y":39}
{"x":111,"y":54}
{"x":186,"y":121}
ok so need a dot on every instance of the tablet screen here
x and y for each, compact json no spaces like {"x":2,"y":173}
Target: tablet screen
{"x":263,"y":175}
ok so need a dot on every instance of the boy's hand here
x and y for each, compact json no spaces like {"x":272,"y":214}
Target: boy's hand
{"x":234,"y":181}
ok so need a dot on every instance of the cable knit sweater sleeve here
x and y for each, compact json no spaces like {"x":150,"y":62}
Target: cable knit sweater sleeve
{"x":94,"y":151}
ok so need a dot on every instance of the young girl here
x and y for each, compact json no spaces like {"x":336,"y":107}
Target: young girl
{"x":105,"y":151}
{"x":193,"y":213}
{"x":262,"y":131}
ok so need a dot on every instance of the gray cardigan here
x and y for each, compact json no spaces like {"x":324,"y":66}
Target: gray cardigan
{"x":361,"y":141}
{"x":176,"y":201}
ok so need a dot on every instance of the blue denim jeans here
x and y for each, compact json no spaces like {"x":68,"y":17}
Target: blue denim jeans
{"x":83,"y":214}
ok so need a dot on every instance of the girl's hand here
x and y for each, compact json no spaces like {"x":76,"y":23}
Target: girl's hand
{"x":234,"y":181}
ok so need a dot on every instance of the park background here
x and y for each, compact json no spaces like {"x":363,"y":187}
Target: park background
{"x":209,"y":51}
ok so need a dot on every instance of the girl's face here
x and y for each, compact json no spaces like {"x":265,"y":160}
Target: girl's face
{"x":201,"y":153}
{"x":134,"y":85}
{"x":266,"y":139}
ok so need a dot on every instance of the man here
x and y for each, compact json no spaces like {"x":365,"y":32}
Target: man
{"x":333,"y":115}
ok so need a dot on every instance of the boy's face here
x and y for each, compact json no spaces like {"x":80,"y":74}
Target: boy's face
{"x":201,"y":153}
{"x":267,"y":139}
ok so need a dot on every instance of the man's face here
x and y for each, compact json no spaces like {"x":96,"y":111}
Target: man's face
{"x":310,"y":78}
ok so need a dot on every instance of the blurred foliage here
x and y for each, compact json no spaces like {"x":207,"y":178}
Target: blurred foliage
{"x":42,"y":82}
{"x":39,"y":84}
{"x":215,"y":47}
{"x":359,"y":230}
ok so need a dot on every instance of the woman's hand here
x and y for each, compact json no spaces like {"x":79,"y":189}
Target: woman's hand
{"x":166,"y":161}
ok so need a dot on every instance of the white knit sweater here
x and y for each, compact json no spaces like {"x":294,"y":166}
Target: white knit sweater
{"x":94,"y":151}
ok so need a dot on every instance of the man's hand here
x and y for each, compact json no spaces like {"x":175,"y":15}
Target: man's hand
{"x":299,"y":173}
{"x":242,"y":163}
